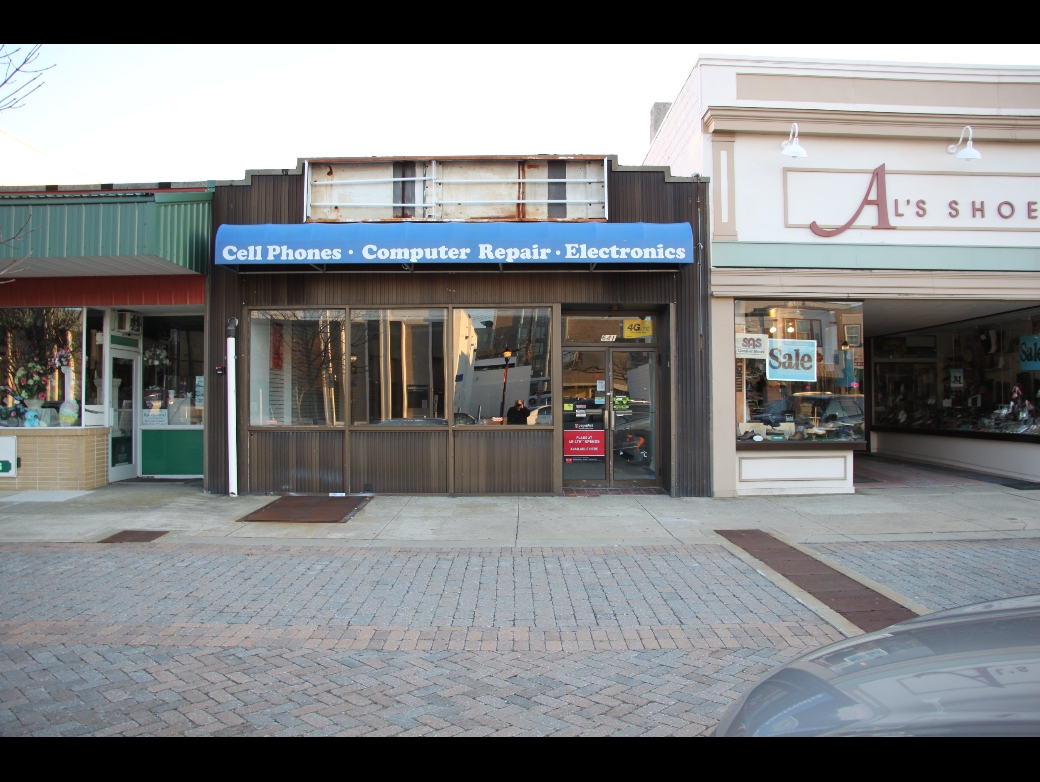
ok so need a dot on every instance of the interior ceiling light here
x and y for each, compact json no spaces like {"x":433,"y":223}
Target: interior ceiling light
{"x":790,"y":329}
{"x":792,"y":148}
{"x":969,"y":152}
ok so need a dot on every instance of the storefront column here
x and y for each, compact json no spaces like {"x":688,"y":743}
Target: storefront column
{"x":556,"y":381}
{"x":724,"y":407}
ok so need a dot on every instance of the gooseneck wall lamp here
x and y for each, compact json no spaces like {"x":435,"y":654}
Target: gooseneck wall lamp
{"x":791,"y":147}
{"x":969,"y":152}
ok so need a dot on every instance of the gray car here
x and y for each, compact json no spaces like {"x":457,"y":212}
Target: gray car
{"x":971,"y":671}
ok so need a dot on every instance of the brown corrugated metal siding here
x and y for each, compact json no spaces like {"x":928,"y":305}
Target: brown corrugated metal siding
{"x":422,"y":467}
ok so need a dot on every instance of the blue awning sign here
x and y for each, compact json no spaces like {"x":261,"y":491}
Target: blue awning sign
{"x":446,"y":243}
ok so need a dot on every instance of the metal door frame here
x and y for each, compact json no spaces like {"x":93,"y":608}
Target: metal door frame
{"x":655,"y":363}
{"x":114,"y":352}
{"x":609,"y":482}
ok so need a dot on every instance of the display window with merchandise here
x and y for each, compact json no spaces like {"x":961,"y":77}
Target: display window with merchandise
{"x":799,"y":371}
{"x":979,"y":377}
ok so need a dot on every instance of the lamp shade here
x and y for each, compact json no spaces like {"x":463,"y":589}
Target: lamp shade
{"x":969,"y":152}
{"x":794,"y":149}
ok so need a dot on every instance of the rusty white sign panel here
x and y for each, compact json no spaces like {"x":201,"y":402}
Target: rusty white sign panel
{"x":487,"y":189}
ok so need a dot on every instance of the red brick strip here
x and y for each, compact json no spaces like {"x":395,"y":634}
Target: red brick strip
{"x":861,"y":605}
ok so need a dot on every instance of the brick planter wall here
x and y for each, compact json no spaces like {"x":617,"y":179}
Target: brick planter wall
{"x":59,"y":458}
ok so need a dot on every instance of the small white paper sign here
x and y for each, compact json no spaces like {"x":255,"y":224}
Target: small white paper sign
{"x":956,"y":378}
{"x":751,"y":345}
{"x":601,"y":385}
{"x":155,"y":418}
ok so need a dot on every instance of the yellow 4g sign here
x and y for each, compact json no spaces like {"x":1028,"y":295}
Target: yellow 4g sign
{"x":637,"y":329}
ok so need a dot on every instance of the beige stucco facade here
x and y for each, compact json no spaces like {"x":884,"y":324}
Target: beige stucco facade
{"x":961,"y":238}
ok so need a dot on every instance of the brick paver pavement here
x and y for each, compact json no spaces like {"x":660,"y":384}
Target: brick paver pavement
{"x":946,"y":573}
{"x":190,"y":638}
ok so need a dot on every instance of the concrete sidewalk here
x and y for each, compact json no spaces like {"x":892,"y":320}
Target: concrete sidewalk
{"x":900,"y":503}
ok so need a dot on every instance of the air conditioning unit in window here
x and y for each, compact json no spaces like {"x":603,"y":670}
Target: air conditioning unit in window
{"x":128,"y":323}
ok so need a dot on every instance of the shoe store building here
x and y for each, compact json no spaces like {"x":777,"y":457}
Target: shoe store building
{"x":492,"y":325}
{"x":875,"y":265}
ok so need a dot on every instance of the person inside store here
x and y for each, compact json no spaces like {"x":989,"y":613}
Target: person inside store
{"x":517,"y":414}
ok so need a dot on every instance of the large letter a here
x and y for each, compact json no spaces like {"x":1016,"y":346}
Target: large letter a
{"x":880,"y":201}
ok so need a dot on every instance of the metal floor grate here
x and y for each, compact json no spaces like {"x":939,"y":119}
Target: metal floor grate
{"x":135,"y":536}
{"x":575,"y":491}
{"x":309,"y":509}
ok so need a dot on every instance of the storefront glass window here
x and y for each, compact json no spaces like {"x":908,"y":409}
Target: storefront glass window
{"x":172,"y":362}
{"x":582,"y":329}
{"x":397,"y":367}
{"x":502,"y":358}
{"x":296,"y":367}
{"x":41,"y":361}
{"x":94,"y":355}
{"x":978,"y":376}
{"x":799,"y":371}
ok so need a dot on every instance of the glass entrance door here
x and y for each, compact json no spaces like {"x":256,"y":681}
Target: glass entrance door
{"x":633,"y":415}
{"x":123,"y":403}
{"x":609,"y":417}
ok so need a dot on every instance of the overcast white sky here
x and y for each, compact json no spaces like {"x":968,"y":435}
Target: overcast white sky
{"x":183,"y":113}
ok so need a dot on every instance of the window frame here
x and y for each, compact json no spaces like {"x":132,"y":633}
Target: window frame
{"x":453,"y":368}
{"x":245,"y":394}
{"x":446,"y":332}
{"x":783,"y":321}
{"x":245,"y":351}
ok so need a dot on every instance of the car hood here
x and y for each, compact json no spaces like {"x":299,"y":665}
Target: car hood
{"x":968,"y":671}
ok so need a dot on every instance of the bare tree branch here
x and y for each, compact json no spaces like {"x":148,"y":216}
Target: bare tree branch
{"x":15,"y":265}
{"x":20,"y":77}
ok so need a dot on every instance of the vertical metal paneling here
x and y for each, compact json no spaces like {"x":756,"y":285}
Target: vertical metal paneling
{"x":305,"y":462}
{"x":646,"y":196}
{"x":491,"y":460}
{"x":409,"y":461}
{"x":268,"y":199}
{"x":184,"y":233}
{"x":179,"y":232}
{"x":399,"y":462}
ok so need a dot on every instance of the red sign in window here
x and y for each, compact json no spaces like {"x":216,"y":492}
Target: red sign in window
{"x":584,"y":443}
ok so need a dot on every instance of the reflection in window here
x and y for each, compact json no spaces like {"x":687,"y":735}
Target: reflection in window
{"x":502,"y":366}
{"x":40,"y":356}
{"x":799,"y":371}
{"x":174,"y":385}
{"x":397,"y":367}
{"x":975,"y":376}
{"x":296,"y":365}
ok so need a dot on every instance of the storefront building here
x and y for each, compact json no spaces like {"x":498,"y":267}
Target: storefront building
{"x":102,"y":333}
{"x":459,"y":326}
{"x":875,"y":280}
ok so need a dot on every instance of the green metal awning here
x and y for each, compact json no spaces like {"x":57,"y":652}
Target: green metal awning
{"x":106,"y":234}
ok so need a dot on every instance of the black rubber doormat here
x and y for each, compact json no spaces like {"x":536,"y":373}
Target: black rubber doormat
{"x":861,"y":605}
{"x":309,"y":509}
{"x":134,"y":536}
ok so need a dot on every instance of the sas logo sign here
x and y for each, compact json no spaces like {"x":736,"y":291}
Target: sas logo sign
{"x":751,"y":345}
{"x":791,"y":359}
